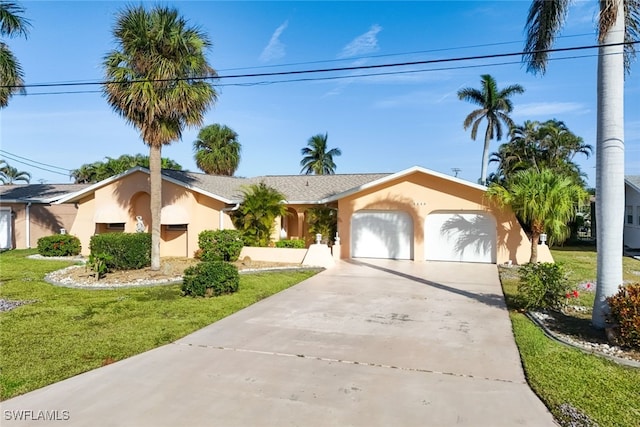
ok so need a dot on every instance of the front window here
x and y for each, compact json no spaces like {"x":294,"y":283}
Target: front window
{"x":628,"y":212}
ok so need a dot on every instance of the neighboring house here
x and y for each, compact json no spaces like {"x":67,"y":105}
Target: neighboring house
{"x":632,"y":211}
{"x":413,"y":214}
{"x":27,"y":213}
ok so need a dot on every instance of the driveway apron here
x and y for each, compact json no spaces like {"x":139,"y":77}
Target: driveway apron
{"x":367,"y":343}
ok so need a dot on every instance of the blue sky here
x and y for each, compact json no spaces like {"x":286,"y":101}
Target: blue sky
{"x":383,"y":123}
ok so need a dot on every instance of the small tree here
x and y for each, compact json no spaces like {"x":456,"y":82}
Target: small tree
{"x":323,"y":220}
{"x":545,"y":201}
{"x":257,"y":213}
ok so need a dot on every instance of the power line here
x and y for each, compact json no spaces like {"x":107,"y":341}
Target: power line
{"x":349,"y":76}
{"x":386,"y":55}
{"x":327,"y":70}
{"x":34,"y":166}
{"x":33,"y":161}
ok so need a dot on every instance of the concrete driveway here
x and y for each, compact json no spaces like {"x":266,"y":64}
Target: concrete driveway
{"x":369,"y":343}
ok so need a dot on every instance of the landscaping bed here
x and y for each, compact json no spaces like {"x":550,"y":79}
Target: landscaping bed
{"x":580,"y":389}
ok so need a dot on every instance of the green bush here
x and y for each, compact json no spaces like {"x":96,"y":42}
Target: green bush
{"x":59,"y":245}
{"x":542,"y":285}
{"x":124,"y":251}
{"x":99,"y":264}
{"x":289,"y":243}
{"x":220,"y":245}
{"x":323,"y":220}
{"x":211,"y":278}
{"x":625,"y":314}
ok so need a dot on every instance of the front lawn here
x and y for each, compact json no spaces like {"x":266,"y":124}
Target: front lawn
{"x":603,"y":390}
{"x":64,"y":332}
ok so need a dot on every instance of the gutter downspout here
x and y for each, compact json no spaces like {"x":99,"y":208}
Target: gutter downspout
{"x":235,"y":208}
{"x":28,"y":225}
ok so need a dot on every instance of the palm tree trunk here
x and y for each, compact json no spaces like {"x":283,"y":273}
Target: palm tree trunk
{"x":610,"y":168}
{"x":535,"y":237}
{"x":485,"y":155}
{"x":155,"y":178}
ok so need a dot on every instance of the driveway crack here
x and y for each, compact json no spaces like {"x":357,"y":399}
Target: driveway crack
{"x":351,"y":362}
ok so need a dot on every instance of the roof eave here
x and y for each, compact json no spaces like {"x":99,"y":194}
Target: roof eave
{"x":397,"y":175}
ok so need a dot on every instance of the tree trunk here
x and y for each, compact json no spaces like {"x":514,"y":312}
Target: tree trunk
{"x":155,"y":179}
{"x":535,"y":237}
{"x":610,"y":168}
{"x":485,"y":155}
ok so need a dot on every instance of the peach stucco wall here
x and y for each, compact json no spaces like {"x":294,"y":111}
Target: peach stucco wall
{"x":44,"y":220}
{"x":128,"y":197}
{"x":419,"y":194}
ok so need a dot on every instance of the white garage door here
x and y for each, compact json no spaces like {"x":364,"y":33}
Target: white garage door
{"x":458,"y":236}
{"x":381,"y":234}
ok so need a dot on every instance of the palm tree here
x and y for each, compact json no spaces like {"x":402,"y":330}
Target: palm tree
{"x":155,"y":81}
{"x":543,"y":200}
{"x":11,"y":75}
{"x":10,"y":175}
{"x":256,"y":215}
{"x":618,"y":22}
{"x":217,"y":150}
{"x":538,"y":145}
{"x":317,"y":160}
{"x":495,"y":107}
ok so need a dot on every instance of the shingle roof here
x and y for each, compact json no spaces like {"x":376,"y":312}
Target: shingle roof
{"x":296,"y":188}
{"x":634,"y":180}
{"x":43,"y":193}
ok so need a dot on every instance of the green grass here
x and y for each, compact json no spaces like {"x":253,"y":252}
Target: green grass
{"x":66,"y":331}
{"x":603,"y":390}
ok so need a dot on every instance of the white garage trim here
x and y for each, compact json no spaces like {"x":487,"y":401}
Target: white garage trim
{"x":460,"y":236}
{"x":381,"y":234}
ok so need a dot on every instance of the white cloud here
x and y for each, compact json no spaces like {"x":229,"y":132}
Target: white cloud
{"x":548,"y":109}
{"x":363,"y":44}
{"x":275,"y":48}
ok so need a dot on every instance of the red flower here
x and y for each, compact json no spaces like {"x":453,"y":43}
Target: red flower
{"x":568,"y":295}
{"x":576,"y":294}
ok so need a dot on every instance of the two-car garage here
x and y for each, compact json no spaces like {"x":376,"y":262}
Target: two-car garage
{"x":460,"y":236}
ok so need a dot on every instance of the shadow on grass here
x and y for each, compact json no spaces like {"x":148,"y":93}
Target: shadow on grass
{"x":577,"y":325}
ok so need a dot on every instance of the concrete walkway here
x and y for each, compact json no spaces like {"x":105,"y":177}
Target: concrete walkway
{"x":369,"y":343}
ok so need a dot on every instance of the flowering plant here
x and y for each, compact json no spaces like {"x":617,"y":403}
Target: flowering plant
{"x":588,"y":286}
{"x":572,"y":294}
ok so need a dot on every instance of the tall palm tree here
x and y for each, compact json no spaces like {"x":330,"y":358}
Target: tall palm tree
{"x":495,"y":107}
{"x":155,"y":81}
{"x":217,"y":150}
{"x":317,"y":160}
{"x":544,"y":200}
{"x":11,"y":74}
{"x":10,"y":175}
{"x":618,"y":22}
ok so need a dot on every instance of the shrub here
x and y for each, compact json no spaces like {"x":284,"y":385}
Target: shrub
{"x":220,"y":245}
{"x":210,"y":278}
{"x":542,"y":285}
{"x":323,"y":220}
{"x":99,"y":263}
{"x":625,"y":314}
{"x":289,"y":243}
{"x":59,"y":245}
{"x":125,"y":251}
